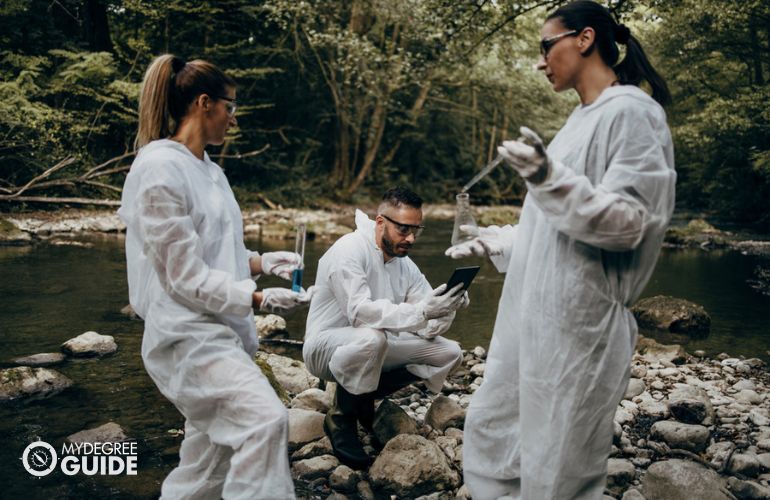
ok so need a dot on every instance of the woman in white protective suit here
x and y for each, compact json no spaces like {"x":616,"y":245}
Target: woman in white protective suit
{"x":599,"y":200}
{"x":190,"y":278}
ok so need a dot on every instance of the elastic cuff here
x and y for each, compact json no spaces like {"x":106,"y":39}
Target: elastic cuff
{"x":243,"y":292}
{"x":253,"y":254}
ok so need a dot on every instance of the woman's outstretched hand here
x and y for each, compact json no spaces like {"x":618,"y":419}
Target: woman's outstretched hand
{"x":527,"y":156}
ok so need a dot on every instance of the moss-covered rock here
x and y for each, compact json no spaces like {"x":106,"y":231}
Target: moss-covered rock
{"x":25,"y":382}
{"x":267,"y":371}
{"x":12,"y":235}
{"x":672,"y":314}
{"x":698,"y":233}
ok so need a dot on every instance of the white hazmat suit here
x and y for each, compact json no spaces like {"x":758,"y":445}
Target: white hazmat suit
{"x":366,"y":317}
{"x":540,"y":426}
{"x":189,"y":279}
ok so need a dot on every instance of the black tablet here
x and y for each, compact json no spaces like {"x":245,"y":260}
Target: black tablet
{"x":462,"y":275}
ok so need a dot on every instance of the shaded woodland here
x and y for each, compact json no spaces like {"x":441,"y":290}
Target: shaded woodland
{"x":339,"y":98}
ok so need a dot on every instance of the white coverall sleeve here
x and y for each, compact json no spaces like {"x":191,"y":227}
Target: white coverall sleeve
{"x":615,"y":214}
{"x":175,"y":250}
{"x":350,"y":288}
{"x":253,"y":254}
{"x":506,"y":237}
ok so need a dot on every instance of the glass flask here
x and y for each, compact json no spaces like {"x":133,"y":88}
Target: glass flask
{"x":463,"y":217}
{"x":299,"y":248}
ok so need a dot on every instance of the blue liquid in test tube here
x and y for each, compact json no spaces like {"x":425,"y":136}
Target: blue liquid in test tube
{"x":296,"y":280}
{"x":299,"y":248}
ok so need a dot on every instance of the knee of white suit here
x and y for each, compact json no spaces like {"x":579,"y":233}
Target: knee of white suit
{"x":356,"y":363}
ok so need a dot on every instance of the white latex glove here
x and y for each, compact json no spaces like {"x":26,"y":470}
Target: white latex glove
{"x":281,"y":300}
{"x":527,"y":156}
{"x":437,"y":305}
{"x":466,"y":300}
{"x":487,"y":242}
{"x":437,"y":327}
{"x":281,"y":264}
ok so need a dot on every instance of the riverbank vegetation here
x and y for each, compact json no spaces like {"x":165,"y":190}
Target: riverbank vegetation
{"x":337,"y":99}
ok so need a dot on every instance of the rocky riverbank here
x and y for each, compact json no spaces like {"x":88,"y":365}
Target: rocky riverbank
{"x":688,"y":427}
{"x":65,"y":226}
{"x":68,"y":225}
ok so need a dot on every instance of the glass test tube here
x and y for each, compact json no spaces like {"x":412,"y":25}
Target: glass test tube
{"x":299,"y":248}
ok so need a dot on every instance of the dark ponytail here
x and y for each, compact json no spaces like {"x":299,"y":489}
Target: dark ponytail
{"x":170,"y":85}
{"x":635,"y":67}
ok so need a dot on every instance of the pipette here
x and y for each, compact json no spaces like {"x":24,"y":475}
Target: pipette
{"x":483,"y":172}
{"x":299,"y":248}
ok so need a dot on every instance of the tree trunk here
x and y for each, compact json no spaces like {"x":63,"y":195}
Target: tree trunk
{"x":414,"y":115}
{"x":376,"y":131}
{"x":492,"y":135}
{"x":96,"y":27}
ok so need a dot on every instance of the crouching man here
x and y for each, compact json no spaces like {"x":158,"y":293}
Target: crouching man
{"x":375,"y":322}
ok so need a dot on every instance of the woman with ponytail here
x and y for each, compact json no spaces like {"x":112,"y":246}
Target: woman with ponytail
{"x":600,"y":197}
{"x":191,"y":279}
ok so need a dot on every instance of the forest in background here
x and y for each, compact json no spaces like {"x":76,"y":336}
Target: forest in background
{"x":340,"y":98}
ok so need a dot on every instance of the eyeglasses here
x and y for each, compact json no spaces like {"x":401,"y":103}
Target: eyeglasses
{"x":230,"y":106}
{"x":405,"y":229}
{"x":548,"y":43}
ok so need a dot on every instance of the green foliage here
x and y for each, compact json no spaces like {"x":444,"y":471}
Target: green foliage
{"x":718,"y":66}
{"x":354,"y":96}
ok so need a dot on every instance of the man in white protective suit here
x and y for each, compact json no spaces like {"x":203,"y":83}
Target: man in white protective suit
{"x":599,"y":201}
{"x":375,"y":324}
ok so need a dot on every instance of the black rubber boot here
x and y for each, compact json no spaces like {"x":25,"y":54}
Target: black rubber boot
{"x":340,"y":425}
{"x":389,"y":383}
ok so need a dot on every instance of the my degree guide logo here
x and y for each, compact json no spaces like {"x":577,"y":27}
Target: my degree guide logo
{"x":104,"y":459}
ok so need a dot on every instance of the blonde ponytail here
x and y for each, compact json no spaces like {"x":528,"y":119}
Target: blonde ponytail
{"x":154,"y":117}
{"x":168,"y":88}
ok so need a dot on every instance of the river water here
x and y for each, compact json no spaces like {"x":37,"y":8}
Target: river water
{"x":53,"y":293}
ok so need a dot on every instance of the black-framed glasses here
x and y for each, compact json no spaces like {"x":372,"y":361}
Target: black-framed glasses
{"x":230,"y":106}
{"x":547,"y":43}
{"x":405,"y":229}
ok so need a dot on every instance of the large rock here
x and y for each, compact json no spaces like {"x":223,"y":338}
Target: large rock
{"x":90,"y":344}
{"x":344,"y":479}
{"x":109,"y":432}
{"x":290,"y":373}
{"x":678,"y":435}
{"x":267,"y":371}
{"x":313,"y":399}
{"x":42,"y":359}
{"x":444,"y":413}
{"x":620,"y":473}
{"x":270,"y":325}
{"x":12,"y":235}
{"x":653,"y":352}
{"x":672,"y":314}
{"x":315,"y":467}
{"x":748,"y":490}
{"x":635,"y":387}
{"x":410,"y":466}
{"x":691,"y":405}
{"x":390,"y":420}
{"x":719,"y":453}
{"x":315,"y":449}
{"x":304,"y":426}
{"x":25,"y":382}
{"x":698,"y":233}
{"x":683,"y":480}
{"x":746,"y":464}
